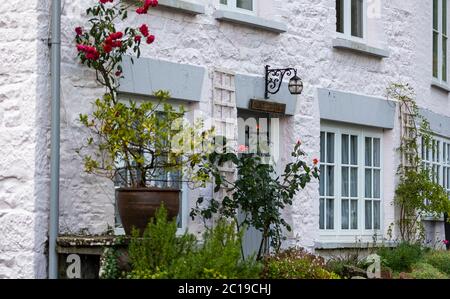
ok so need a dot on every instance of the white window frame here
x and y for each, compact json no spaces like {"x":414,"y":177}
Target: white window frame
{"x":440,"y":163}
{"x":348,"y":235}
{"x":441,"y":36}
{"x":232,"y":5}
{"x":347,"y":34}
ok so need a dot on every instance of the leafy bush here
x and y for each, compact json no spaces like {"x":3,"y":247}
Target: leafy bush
{"x":159,"y":247}
{"x":109,"y":268}
{"x":219,"y":257}
{"x":160,"y":253}
{"x":402,"y":257}
{"x":426,"y":271}
{"x":439,"y":260}
{"x":296,"y":264}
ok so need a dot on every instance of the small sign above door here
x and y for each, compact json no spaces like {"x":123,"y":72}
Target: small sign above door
{"x":266,"y":106}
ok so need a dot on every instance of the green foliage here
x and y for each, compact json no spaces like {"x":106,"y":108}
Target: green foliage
{"x":426,"y":271}
{"x":110,"y":265}
{"x":439,"y":259}
{"x":417,"y":194}
{"x":296,"y":264}
{"x":140,"y":138}
{"x":401,"y":258}
{"x":160,"y":253}
{"x":257,"y":193}
{"x":159,"y":247}
{"x":219,"y":257}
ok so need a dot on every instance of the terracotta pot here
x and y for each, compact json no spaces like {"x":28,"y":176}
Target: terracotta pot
{"x":138,"y":205}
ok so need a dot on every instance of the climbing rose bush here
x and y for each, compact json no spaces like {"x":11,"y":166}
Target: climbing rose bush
{"x":101,"y":46}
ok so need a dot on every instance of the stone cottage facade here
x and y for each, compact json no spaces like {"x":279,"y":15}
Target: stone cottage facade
{"x":210,"y":55}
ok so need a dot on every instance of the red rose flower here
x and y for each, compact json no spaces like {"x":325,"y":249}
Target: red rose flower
{"x":137,"y":38}
{"x":105,"y":1}
{"x":316,"y":161}
{"x":90,"y":52}
{"x":79,"y":31}
{"x":150,"y":39}
{"x":144,"y":30}
{"x":107,"y":48}
{"x":118,"y":73}
{"x":147,"y":4}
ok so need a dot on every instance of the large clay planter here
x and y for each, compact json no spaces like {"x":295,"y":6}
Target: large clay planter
{"x":138,"y":205}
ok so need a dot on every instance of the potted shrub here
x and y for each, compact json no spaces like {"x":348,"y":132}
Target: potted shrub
{"x":132,"y":143}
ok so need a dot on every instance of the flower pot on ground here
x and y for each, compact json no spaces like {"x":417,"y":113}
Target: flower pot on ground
{"x":139,"y":145}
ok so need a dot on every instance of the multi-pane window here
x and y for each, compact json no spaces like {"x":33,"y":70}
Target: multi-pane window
{"x":440,"y":40}
{"x":350,"y":181}
{"x":242,"y":5}
{"x":351,"y":17}
{"x":436,"y":158}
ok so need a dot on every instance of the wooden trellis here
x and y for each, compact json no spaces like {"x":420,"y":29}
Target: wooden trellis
{"x":225,"y":114}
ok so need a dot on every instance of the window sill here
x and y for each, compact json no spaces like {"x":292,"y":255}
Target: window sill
{"x":183,"y":6}
{"x":440,"y":85}
{"x":250,"y":20}
{"x":346,"y":44}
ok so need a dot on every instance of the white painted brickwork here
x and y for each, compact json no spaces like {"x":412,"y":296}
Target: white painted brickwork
{"x":86,"y":206}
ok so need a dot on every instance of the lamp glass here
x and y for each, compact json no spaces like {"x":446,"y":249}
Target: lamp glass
{"x":295,"y":85}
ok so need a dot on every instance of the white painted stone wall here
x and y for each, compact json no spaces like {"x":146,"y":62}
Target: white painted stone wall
{"x":24,"y":127}
{"x":87,"y":202}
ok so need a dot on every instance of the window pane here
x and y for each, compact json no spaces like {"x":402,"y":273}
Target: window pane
{"x":245,"y":4}
{"x":438,"y":151}
{"x":357,"y":18}
{"x":354,"y":214}
{"x":345,"y":214}
{"x":330,"y":213}
{"x":368,"y":151}
{"x":322,"y":180}
{"x":368,"y":214}
{"x":345,"y":182}
{"x":330,"y":147}
{"x":354,"y":182}
{"x":376,"y":152}
{"x":376,"y":184}
{"x":376,"y":214}
{"x":345,"y":149}
{"x":322,"y":214}
{"x":448,"y":153}
{"x":223,"y":2}
{"x":354,"y":150}
{"x":435,"y":14}
{"x":444,"y":59}
{"x":444,"y":17}
{"x":368,"y":183}
{"x":423,"y":149}
{"x":340,"y":16}
{"x":322,"y":146}
{"x":448,"y":178}
{"x":330,"y":181}
{"x":435,"y":53}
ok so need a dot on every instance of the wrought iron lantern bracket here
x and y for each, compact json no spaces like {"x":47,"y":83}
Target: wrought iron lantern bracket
{"x":274,"y":79}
